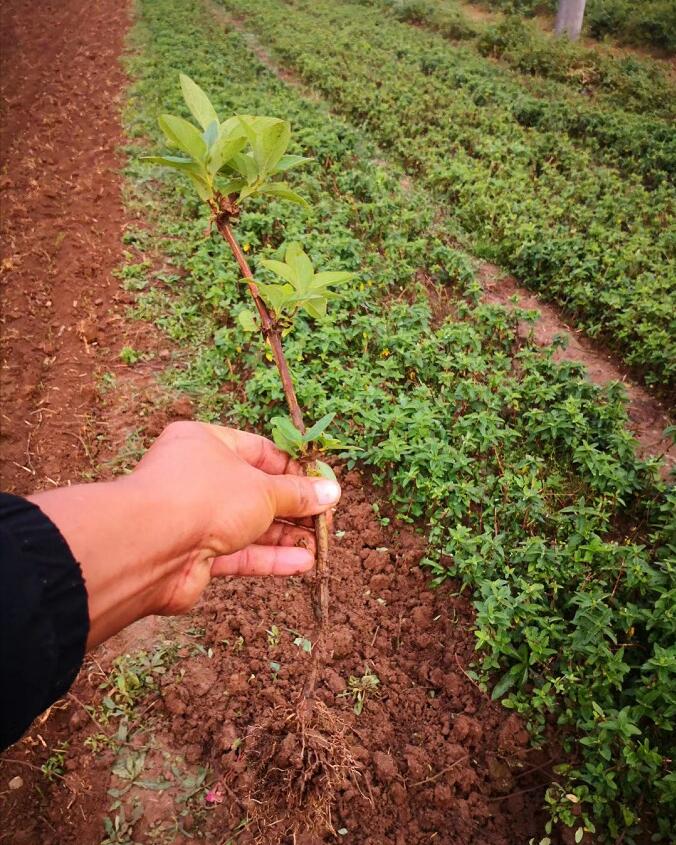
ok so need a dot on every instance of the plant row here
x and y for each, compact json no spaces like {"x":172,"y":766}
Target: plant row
{"x":559,"y":208}
{"x":522,"y":472}
{"x":650,"y":23}
{"x":628,"y":82}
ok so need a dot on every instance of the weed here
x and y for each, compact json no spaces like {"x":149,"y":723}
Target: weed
{"x":54,"y":766}
{"x":274,"y":636}
{"x":130,"y":356}
{"x":362,"y":687}
{"x":119,"y":829}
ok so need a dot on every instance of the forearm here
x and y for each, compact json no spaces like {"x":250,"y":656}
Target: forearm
{"x":127,"y":540}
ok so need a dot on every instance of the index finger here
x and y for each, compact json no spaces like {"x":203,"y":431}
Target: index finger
{"x":257,"y":451}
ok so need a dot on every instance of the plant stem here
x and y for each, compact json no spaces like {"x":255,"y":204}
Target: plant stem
{"x":272,"y":334}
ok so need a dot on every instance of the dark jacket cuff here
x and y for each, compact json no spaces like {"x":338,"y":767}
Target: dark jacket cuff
{"x":44,"y":619}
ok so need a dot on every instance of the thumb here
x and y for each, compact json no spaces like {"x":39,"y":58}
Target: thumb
{"x":295,"y":496}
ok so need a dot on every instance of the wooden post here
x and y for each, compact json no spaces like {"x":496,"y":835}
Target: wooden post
{"x":569,"y":18}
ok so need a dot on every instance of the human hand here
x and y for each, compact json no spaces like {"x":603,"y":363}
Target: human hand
{"x":203,"y":501}
{"x":241,"y":507}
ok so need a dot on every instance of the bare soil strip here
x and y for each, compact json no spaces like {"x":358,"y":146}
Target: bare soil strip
{"x":61,"y":232}
{"x":648,"y":416}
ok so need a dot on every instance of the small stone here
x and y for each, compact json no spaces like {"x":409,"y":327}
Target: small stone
{"x":16,"y":782}
{"x":342,"y":640}
{"x":385,"y":766}
{"x":165,"y":354}
{"x":333,"y":681}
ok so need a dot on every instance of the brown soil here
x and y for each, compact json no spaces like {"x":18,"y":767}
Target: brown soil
{"x":434,"y":758}
{"x":61,"y":232}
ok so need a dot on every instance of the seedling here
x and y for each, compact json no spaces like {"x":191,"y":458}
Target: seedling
{"x":120,"y":829}
{"x":229,"y":162}
{"x":362,"y":687}
{"x":274,"y":636}
{"x":128,"y":355}
{"x":53,"y":767}
{"x":304,"y":644}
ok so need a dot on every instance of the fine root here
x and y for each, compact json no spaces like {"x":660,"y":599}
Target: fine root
{"x":299,"y":758}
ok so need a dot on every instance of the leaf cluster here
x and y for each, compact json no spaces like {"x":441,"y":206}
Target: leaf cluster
{"x":300,"y":288}
{"x":246,"y":150}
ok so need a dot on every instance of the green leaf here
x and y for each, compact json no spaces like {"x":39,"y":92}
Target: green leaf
{"x":244,"y":164}
{"x":285,"y":424}
{"x":183,"y":135}
{"x":286,"y":436}
{"x":297,"y":259}
{"x":198,"y":102}
{"x":318,"y":428}
{"x":274,"y":141}
{"x":203,"y":188}
{"x":227,"y":145}
{"x":288,"y":162}
{"x":332,"y":277}
{"x":247,"y":321}
{"x":276,"y":296}
{"x":316,"y":307}
{"x":506,"y":682}
{"x":176,"y":162}
{"x":232,"y":186}
{"x":284,"y":192}
{"x":269,"y":137}
{"x":325,"y":470}
{"x":210,"y":134}
{"x":281,"y":269}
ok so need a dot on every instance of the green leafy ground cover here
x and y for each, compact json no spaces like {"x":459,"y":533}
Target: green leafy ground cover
{"x":650,"y":23}
{"x":576,"y":200}
{"x":627,"y":82}
{"x":523,"y":472}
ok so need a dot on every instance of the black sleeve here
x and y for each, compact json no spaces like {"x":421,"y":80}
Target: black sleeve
{"x":44,"y":620}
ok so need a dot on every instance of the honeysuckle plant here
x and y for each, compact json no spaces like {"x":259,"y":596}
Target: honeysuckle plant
{"x":228,"y":162}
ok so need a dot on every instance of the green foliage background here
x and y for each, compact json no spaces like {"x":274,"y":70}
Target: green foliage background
{"x":523,"y":473}
{"x":649,"y":22}
{"x":574,"y":197}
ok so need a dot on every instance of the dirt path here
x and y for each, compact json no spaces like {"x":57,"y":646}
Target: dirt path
{"x":61,"y":232}
{"x":648,"y":415}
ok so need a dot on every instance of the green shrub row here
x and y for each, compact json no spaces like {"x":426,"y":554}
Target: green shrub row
{"x":524,"y":472}
{"x":558,"y":207}
{"x":649,"y":23}
{"x":628,"y":82}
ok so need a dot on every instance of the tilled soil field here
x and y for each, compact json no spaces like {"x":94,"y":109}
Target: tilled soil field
{"x":439,"y":762}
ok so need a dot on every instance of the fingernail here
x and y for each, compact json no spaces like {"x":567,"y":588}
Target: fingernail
{"x":327,"y":492}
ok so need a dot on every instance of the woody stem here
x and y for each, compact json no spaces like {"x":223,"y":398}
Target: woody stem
{"x":272,"y":334}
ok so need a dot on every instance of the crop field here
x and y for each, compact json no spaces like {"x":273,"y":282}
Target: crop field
{"x":503,"y":637}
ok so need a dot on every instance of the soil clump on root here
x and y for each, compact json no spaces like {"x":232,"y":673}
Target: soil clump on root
{"x":299,"y":759}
